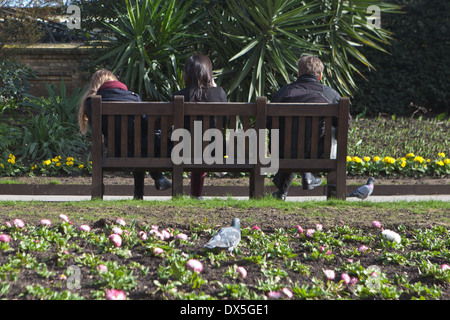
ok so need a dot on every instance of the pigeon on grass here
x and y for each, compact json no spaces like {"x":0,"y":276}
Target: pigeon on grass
{"x":226,"y":238}
{"x":364,"y":191}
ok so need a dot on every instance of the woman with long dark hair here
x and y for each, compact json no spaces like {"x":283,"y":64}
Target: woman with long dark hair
{"x":200,"y":87}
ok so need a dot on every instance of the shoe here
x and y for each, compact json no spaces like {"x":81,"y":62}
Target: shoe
{"x":279,"y":195}
{"x":138,"y":197}
{"x":197,"y":198}
{"x":310,"y":182}
{"x":163,"y":184}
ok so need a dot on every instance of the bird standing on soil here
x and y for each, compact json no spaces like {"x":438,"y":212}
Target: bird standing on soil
{"x":364,"y":191}
{"x":228,"y":237}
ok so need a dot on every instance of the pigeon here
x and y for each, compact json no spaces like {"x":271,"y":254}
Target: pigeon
{"x":364,"y":191}
{"x":228,"y":237}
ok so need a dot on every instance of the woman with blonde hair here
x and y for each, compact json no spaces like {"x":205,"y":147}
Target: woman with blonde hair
{"x":106,"y":84}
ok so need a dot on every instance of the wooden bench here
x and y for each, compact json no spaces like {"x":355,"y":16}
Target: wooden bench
{"x":169,"y":116}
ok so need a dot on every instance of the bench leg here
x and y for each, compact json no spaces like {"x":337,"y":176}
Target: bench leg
{"x":177,"y":181}
{"x":97,"y":182}
{"x":331,"y":185}
{"x":336,"y":185}
{"x":256,"y":184}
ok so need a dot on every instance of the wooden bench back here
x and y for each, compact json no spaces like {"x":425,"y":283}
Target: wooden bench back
{"x":138,"y":151}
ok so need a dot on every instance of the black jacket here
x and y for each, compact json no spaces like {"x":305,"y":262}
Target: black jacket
{"x":119,"y":95}
{"x":307,"y":89}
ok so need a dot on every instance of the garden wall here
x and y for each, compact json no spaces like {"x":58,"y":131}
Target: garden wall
{"x":53,"y":63}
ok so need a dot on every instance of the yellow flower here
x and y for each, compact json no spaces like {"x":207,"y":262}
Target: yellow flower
{"x":47,"y":162}
{"x":447,"y":161}
{"x":428,"y":160}
{"x":441,"y":154}
{"x":375,"y":159}
{"x":1,"y":165}
{"x":403,"y":159}
{"x":366,"y":159}
{"x":69,"y":163}
{"x":441,"y":163}
{"x":81,"y":166}
{"x":419,"y":159}
{"x":356,"y":159}
{"x":70,"y":159}
{"x":55,"y":159}
{"x":349,"y":158}
{"x":58,"y":164}
{"x":403,"y":164}
{"x":410,"y":155}
{"x":389,"y":160}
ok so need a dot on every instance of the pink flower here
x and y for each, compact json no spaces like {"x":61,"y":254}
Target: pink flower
{"x":255,"y":227}
{"x":241,"y":272}
{"x":121,"y":222}
{"x":319,"y":227}
{"x":116,"y":239}
{"x":85,"y":228}
{"x":142,"y":235}
{"x":113,"y":294}
{"x":117,"y":230}
{"x":63,"y":217}
{"x":376,"y":224}
{"x":46,"y":222}
{"x":299,"y":229}
{"x":329,"y":274}
{"x":18,"y":223}
{"x":157,"y":251}
{"x":346,"y":278}
{"x":8,"y":224}
{"x":102,"y":268}
{"x":195,"y":265}
{"x":288,"y":293}
{"x":445,"y":267}
{"x":182,"y":236}
{"x":363,"y":249}
{"x":310,"y":232}
{"x":4,"y":238}
{"x":165,"y":234}
{"x":353,"y":280}
{"x":274,"y":295}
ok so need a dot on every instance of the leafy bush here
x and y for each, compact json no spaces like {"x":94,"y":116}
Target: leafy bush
{"x":14,"y":80}
{"x":412,"y":76}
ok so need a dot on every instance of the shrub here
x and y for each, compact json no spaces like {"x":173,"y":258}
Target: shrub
{"x":13,"y":80}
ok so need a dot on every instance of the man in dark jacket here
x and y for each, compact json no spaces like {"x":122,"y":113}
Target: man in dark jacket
{"x":307,"y":89}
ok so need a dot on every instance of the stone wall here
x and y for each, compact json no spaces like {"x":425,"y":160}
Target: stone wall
{"x":53,"y":63}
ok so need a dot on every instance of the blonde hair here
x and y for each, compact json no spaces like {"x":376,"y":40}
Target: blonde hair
{"x":98,"y":78}
{"x":310,"y":65}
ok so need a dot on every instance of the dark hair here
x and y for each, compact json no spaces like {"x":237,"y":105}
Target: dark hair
{"x":198,"y":75}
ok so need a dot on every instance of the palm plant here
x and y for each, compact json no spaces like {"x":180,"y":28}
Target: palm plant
{"x":259,"y":42}
{"x":147,"y":43}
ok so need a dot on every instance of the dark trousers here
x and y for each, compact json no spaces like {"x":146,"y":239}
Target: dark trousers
{"x":139,"y":177}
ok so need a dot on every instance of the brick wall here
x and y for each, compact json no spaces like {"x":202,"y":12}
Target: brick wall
{"x":52,"y":63}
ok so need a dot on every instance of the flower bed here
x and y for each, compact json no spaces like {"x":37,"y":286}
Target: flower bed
{"x":408,"y":166}
{"x":121,"y":259}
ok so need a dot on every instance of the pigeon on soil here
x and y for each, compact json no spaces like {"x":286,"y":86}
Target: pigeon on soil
{"x":364,"y":191}
{"x":228,"y":237}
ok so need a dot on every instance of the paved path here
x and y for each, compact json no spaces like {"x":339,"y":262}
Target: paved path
{"x":304,"y":198}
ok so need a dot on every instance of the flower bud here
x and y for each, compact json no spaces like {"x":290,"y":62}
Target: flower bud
{"x":4,"y":238}
{"x":288,"y":293}
{"x":18,"y":223}
{"x":310,"y":232}
{"x":117,"y":230}
{"x":241,"y":272}
{"x":445,"y":267}
{"x":157,"y":251}
{"x":363,"y":249}
{"x":346,"y":278}
{"x":319,"y":227}
{"x":46,"y":223}
{"x":102,"y":268}
{"x":64,"y":218}
{"x":116,"y":239}
{"x":329,"y":274}
{"x":376,"y":224}
{"x":182,"y":236}
{"x":299,"y":229}
{"x":121,"y":222}
{"x":142,"y":235}
{"x":113,"y":294}
{"x":195,"y":265}
{"x":274,"y":295}
{"x":85,"y":228}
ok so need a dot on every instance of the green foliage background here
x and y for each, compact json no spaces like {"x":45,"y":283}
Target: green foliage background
{"x":417,"y":70}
